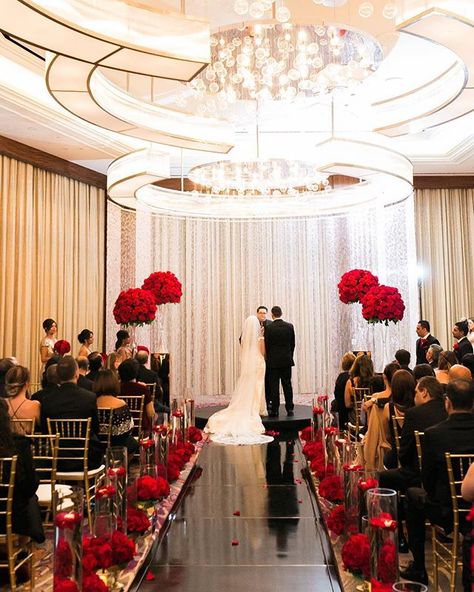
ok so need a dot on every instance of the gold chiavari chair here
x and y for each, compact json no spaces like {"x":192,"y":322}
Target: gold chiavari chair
{"x":446,"y":551}
{"x":45,"y":454}
{"x":14,"y":544}
{"x":152,"y":388}
{"x":359,"y":395}
{"x":74,"y":438}
{"x":419,"y":446}
{"x":106,"y":415}
{"x":136,"y":404}
{"x":24,"y":427}
{"x":397,"y":423}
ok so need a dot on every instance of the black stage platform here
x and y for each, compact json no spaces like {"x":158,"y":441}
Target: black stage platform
{"x":300,"y":420}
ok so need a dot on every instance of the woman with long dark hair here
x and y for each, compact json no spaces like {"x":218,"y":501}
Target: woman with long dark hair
{"x":47,"y":343}
{"x":85,"y":338}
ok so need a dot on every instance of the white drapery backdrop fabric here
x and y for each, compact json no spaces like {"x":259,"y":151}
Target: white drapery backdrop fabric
{"x":229,"y":267}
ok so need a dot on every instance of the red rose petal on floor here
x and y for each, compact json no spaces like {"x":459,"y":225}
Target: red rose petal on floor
{"x":150,"y":576}
{"x":300,"y":501}
{"x":235,"y":542}
{"x":237,"y":513}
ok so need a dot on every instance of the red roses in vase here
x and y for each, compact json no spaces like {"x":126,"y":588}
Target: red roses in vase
{"x":135,"y":307}
{"x":165,"y":287}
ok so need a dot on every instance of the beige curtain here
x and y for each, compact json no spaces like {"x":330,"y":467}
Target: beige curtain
{"x":51,"y":259}
{"x":444,"y":234}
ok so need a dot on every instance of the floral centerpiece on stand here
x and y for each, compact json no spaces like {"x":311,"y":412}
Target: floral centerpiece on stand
{"x":165,"y":287}
{"x":383,"y":304}
{"x":135,"y":307}
{"x":354,"y":284}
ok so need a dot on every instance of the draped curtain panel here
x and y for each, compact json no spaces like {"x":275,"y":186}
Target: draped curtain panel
{"x":52,"y":233}
{"x":229,"y":267}
{"x":444,"y":234}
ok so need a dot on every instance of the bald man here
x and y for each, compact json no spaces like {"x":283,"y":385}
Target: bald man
{"x":458,"y":372}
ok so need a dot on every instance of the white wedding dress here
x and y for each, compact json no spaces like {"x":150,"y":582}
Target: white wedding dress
{"x":240,"y":422}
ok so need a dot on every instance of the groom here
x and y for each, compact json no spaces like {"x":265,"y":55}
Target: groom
{"x":279,"y":346}
{"x":264,"y":322}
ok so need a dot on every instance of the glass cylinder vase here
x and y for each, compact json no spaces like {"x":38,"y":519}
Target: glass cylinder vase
{"x":367,"y":481}
{"x":383,"y":526}
{"x":161,"y":435}
{"x":147,"y":456}
{"x":116,"y":471}
{"x":105,"y":511}
{"x":68,"y":521}
{"x":177,"y":427}
{"x":352,"y":474}
{"x":189,"y":415}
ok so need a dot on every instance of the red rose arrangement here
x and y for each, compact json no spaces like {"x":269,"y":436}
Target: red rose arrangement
{"x":194,"y":434}
{"x":313,"y":450}
{"x":135,"y":307}
{"x":331,"y":488}
{"x":387,"y":563}
{"x":376,"y":586}
{"x":354,"y":284}
{"x":356,"y":555}
{"x":307,"y":434}
{"x":152,"y":488}
{"x":92,"y":583}
{"x":63,"y":559}
{"x":321,"y":468}
{"x":336,"y":520}
{"x":384,"y":521}
{"x":104,"y":551}
{"x":165,"y":287}
{"x":137,"y":521}
{"x":383,"y":304}
{"x":353,"y":467}
{"x":317,"y":410}
{"x":65,"y":585}
{"x":366,"y":484}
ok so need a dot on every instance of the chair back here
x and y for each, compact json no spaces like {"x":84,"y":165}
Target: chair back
{"x":152,"y":388}
{"x":106,"y":415}
{"x":74,"y":437}
{"x":397,"y":423}
{"x":136,"y":404}
{"x":24,"y":427}
{"x":458,"y":465}
{"x":7,"y":485}
{"x":358,"y":396}
{"x":419,"y":446}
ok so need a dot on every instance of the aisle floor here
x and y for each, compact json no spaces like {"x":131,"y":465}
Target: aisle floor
{"x":281,"y":545}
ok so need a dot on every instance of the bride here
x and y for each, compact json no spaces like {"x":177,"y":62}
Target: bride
{"x":240,"y":422}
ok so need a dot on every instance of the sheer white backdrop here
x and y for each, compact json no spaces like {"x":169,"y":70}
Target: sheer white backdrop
{"x":228,"y":268}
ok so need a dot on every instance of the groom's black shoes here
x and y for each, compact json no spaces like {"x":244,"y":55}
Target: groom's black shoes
{"x":273,"y":414}
{"x":290,"y":413}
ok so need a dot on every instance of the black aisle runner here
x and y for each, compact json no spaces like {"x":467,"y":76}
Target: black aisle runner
{"x":280,"y":544}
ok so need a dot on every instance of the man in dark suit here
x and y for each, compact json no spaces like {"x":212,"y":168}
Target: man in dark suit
{"x":425,"y":339}
{"x":69,"y":401}
{"x":279,"y":346}
{"x":150,"y":377}
{"x":463,"y":346}
{"x":264,"y":322}
{"x":83,"y":381}
{"x":434,"y":500}
{"x":428,"y":411}
{"x":128,"y":372}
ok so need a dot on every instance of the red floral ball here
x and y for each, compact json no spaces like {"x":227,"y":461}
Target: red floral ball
{"x":194,"y":434}
{"x":64,"y":585}
{"x":355,"y":555}
{"x":382,"y":304}
{"x":354,"y":284}
{"x":92,"y":583}
{"x":135,"y":307}
{"x":331,"y":488}
{"x":165,"y":287}
{"x":137,"y":521}
{"x":336,"y":520}
{"x":151,"y":488}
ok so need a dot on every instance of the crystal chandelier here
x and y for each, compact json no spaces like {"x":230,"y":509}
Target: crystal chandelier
{"x":272,"y":177}
{"x":284,"y":62}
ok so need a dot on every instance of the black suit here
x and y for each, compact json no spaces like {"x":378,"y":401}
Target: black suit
{"x":279,"y":346}
{"x":452,"y":435}
{"x":70,"y":401}
{"x":422,"y":346}
{"x":464,"y":347}
{"x":85,"y":383}
{"x":418,"y":419}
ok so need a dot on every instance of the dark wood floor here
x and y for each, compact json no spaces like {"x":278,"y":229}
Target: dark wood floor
{"x":281,"y":545}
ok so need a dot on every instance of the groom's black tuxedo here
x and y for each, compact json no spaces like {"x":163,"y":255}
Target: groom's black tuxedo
{"x":279,"y":346}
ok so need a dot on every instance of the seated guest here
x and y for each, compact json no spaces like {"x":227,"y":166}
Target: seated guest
{"x":458,"y":372}
{"x":149,"y":376}
{"x":432,"y":355}
{"x":85,"y":338}
{"x":463,"y":345}
{"x":421,"y":370}
{"x":403,"y":396}
{"x":360,"y":374}
{"x":468,"y":361}
{"x":382,"y":397}
{"x":445,"y":361}
{"x":49,"y":382}
{"x":107,"y":389}
{"x":95,"y":364}
{"x":377,"y":384}
{"x":5,"y":365}
{"x":128,"y":372}
{"x":19,"y":406}
{"x":69,"y":401}
{"x":428,"y":411}
{"x":434,"y":500}
{"x":83,"y":381}
{"x":114,"y":360}
{"x":123,"y":339}
{"x":403,"y":357}
{"x":425,"y":339}
{"x":346,"y":363}
{"x":467,"y":487}
{"x":26,"y":516}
